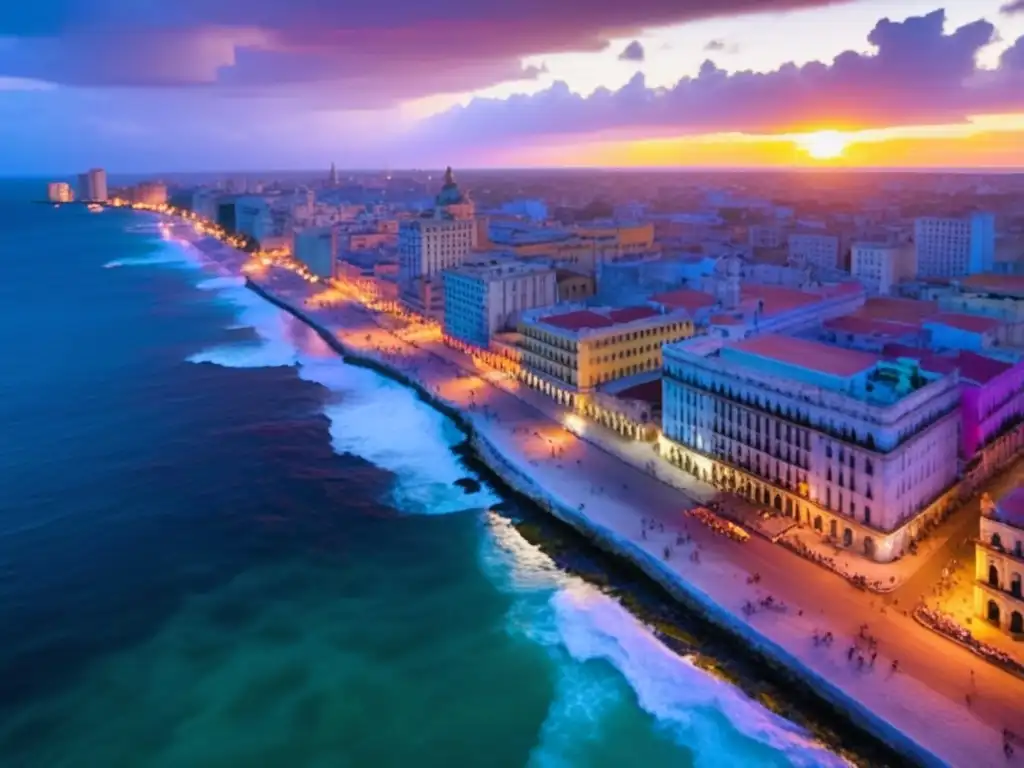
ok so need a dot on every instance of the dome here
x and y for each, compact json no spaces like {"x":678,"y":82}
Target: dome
{"x":450,"y":193}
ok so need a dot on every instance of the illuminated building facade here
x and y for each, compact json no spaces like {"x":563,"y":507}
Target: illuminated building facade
{"x":862,"y":450}
{"x":59,"y":192}
{"x":999,"y":563}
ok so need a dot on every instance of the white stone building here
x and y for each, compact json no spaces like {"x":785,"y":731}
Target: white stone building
{"x":862,"y":451}
{"x":999,"y":563}
{"x":954,"y":247}
{"x":880,"y":267}
{"x":489,"y":294}
{"x":814,"y":249}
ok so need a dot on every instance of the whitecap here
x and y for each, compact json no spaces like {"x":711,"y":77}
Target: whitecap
{"x":389,"y":426}
{"x":712,"y":716}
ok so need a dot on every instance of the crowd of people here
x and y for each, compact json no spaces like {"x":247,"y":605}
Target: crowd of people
{"x":948,"y":626}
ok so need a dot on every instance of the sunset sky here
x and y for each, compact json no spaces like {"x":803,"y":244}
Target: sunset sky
{"x":146,"y":86}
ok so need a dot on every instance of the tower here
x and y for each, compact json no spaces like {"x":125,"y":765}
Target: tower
{"x":333,"y":178}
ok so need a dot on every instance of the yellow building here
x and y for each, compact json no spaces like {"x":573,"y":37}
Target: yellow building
{"x":571,"y":353}
{"x":626,"y":238}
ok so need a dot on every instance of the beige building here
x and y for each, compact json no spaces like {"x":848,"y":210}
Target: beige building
{"x":880,"y":267}
{"x":999,"y":563}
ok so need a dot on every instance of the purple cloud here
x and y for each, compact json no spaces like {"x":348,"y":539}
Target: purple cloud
{"x":917,"y":74}
{"x":350,"y":54}
{"x":1016,"y":6}
{"x":633,"y":52}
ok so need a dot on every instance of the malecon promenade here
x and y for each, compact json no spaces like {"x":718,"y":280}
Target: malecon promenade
{"x":942,"y":705}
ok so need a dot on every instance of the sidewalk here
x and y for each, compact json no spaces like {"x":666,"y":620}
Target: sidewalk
{"x":924,"y":699}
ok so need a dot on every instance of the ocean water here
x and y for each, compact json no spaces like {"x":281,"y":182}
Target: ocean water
{"x":220,"y":545}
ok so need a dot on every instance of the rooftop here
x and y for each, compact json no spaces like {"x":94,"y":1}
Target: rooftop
{"x":1010,"y":508}
{"x":684,"y":298}
{"x":867,"y":326}
{"x":906,"y":311}
{"x":969,"y":323}
{"x":1008,"y":285}
{"x":603,"y":317}
{"x":981,"y":369}
{"x":577,"y":321}
{"x":812,"y":355}
{"x":775,"y":299}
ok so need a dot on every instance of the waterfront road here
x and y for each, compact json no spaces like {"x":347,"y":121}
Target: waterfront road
{"x":941,"y":695}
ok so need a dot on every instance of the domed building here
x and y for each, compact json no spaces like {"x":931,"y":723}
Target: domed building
{"x":452,"y":202}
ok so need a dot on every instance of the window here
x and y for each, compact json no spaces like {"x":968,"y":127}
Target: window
{"x":867,"y":515}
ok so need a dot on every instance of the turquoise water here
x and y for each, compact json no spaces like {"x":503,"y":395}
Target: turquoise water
{"x":220,"y":545}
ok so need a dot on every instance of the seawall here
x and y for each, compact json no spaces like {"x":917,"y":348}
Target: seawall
{"x":694,"y":599}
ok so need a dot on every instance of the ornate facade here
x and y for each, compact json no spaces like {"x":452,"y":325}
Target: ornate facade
{"x":862,"y":451}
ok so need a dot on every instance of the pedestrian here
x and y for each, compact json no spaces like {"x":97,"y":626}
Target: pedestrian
{"x":849,"y":653}
{"x":874,"y":655}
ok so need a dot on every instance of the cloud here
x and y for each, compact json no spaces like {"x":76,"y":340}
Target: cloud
{"x":351,"y":54}
{"x":632,"y":52}
{"x":715,"y":45}
{"x":916,"y":74}
{"x":1015,"y":6}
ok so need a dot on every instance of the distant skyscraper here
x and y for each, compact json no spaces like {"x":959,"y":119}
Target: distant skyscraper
{"x":59,"y":192}
{"x":333,"y":178}
{"x":92,"y":185}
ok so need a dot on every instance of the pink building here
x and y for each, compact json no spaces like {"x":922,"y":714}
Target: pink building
{"x":991,"y":402}
{"x":992,"y":407}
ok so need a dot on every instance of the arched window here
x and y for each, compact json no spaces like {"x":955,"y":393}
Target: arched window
{"x":993,"y":575}
{"x":993,"y":612}
{"x":1016,"y":623}
{"x":1015,"y":585}
{"x":847,"y":537}
{"x":997,"y":541}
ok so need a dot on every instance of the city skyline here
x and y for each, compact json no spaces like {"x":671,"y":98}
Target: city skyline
{"x":230,"y":86}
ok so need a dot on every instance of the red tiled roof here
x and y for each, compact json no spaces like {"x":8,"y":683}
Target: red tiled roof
{"x":907,"y":311}
{"x":1011,"y":284}
{"x":648,"y":392}
{"x":577,"y":321}
{"x":969,"y":323}
{"x":814,"y":355}
{"x":981,"y":369}
{"x":866,"y":326}
{"x":777,"y":299}
{"x":629,"y":314}
{"x":684,"y":298}
{"x":724,"y":319}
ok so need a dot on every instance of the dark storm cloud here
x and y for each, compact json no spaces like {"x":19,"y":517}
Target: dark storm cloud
{"x":369,"y":53}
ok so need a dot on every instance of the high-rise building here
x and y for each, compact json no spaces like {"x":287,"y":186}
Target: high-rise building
{"x":954,"y":247}
{"x":59,"y":192}
{"x":488,"y":295}
{"x":92,"y":186}
{"x":429,"y":245}
{"x":317,"y":248}
{"x":151,"y":193}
